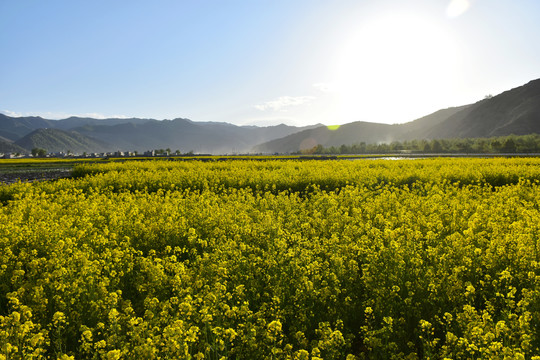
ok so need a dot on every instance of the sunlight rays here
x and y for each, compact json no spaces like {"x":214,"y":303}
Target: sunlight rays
{"x":403,"y":59}
{"x":457,"y":8}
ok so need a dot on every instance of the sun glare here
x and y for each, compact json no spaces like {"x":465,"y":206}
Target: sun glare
{"x":392,"y":65}
{"x":457,"y":7}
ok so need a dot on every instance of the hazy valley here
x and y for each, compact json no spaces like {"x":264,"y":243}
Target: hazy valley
{"x":516,"y":111}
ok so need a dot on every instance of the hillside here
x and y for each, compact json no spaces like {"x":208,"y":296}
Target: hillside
{"x":185,"y":135}
{"x":7,"y":146}
{"x":356,"y":132}
{"x":330,"y":136}
{"x":515,"y":111}
{"x":54,"y":140}
{"x":414,"y":129}
{"x":15,"y":128}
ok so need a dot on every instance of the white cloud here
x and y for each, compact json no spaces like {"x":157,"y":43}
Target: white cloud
{"x":100,"y":116}
{"x":325,"y":87}
{"x":11,"y":113}
{"x":62,"y":115}
{"x":283,"y":102}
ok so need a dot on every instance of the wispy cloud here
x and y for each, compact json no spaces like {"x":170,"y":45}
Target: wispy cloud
{"x":12,"y":113}
{"x":325,"y":87}
{"x":283,"y":102}
{"x":100,"y":116}
{"x":62,"y":115}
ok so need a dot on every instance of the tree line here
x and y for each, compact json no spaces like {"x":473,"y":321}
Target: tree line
{"x":498,"y":145}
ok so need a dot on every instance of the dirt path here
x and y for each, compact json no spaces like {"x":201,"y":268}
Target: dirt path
{"x":11,"y":176}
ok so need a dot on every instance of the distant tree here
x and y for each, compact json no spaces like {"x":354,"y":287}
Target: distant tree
{"x":383,"y":148}
{"x":436,"y":146}
{"x":495,"y":146}
{"x":480,"y":146}
{"x":509,"y":146}
{"x":528,"y":143}
{"x":396,"y":146}
{"x":37,"y":152}
{"x":423,"y":146}
{"x":461,"y":146}
{"x":358,"y":148}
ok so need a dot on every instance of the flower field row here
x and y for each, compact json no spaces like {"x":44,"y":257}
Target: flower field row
{"x":277,"y":259}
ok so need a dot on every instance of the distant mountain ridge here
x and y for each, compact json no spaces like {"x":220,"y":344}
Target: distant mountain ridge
{"x":134,"y":134}
{"x":516,"y":111}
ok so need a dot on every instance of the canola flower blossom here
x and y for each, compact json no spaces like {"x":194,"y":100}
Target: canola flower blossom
{"x":434,"y":258}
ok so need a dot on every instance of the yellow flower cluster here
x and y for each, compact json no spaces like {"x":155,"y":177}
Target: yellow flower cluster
{"x":271,"y":259}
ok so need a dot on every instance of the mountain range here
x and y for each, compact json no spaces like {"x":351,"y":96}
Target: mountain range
{"x":516,"y":111}
{"x":80,"y":135}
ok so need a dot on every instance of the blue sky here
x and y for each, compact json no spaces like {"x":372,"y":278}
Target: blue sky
{"x":262,"y":62}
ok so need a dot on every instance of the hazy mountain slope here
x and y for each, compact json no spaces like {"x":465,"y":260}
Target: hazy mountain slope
{"x":358,"y":132}
{"x":121,"y":136}
{"x":416,"y":129}
{"x":145,"y":134}
{"x":351,"y":133}
{"x":7,"y":146}
{"x":185,"y":135}
{"x":178,"y":134}
{"x":515,"y":111}
{"x":258,"y":135}
{"x":15,"y":128}
{"x":55,"y":140}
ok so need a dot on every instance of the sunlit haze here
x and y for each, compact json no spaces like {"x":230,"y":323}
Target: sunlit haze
{"x":262,"y":62}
